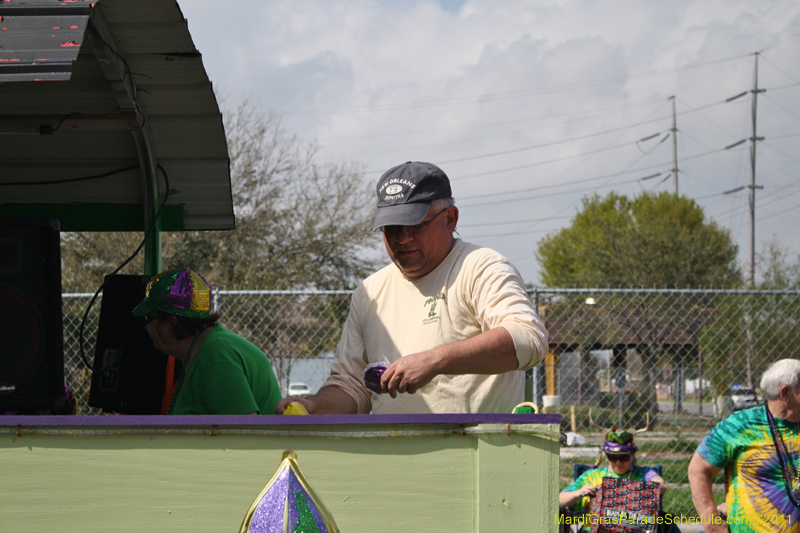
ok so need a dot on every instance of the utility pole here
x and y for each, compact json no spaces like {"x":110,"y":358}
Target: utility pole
{"x":751,"y":275}
{"x":674,"y":146}
{"x":753,"y":187}
{"x":752,"y":278}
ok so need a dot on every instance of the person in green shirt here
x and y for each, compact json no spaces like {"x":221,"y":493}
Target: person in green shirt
{"x":222,"y":373}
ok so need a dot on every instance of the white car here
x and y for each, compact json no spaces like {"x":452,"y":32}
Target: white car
{"x":743,"y":398}
{"x":299,"y":389}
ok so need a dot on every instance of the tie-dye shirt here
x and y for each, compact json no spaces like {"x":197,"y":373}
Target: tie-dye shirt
{"x":595,"y":477}
{"x":757,"y":499}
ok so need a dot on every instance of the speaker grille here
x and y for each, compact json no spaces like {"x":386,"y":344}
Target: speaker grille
{"x":31,"y":334}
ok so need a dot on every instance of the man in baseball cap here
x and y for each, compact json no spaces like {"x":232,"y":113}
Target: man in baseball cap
{"x":449,"y":321}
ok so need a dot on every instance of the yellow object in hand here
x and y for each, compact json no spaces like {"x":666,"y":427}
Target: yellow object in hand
{"x":295,"y":408}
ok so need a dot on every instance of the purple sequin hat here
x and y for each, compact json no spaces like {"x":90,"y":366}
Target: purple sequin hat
{"x":178,"y":292}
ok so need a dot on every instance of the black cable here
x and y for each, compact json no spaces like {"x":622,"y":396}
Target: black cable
{"x":65,"y":118}
{"x":128,"y":71}
{"x":70,"y":180}
{"x":128,"y":260}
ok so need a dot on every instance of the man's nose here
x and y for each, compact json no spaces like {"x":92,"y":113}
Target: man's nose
{"x":403,"y":235}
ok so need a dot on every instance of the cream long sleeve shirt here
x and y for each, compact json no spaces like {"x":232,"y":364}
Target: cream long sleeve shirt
{"x":472,"y":290}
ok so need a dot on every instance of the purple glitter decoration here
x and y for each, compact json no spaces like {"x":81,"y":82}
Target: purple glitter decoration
{"x":372,"y":377}
{"x":180,"y":294}
{"x":268,"y":516}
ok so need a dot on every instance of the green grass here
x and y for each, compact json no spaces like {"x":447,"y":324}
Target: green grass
{"x":679,"y":444}
{"x":678,"y":501}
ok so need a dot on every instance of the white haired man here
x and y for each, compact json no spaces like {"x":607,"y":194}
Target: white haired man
{"x":759,"y":449}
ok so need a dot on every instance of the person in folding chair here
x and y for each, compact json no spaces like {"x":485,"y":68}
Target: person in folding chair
{"x":620,"y":451}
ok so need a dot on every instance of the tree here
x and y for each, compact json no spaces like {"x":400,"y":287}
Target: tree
{"x":754,"y":330}
{"x":655,"y":240}
{"x":778,"y":269}
{"x":88,"y":256}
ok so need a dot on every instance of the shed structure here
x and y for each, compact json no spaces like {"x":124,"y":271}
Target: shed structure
{"x":132,"y":117}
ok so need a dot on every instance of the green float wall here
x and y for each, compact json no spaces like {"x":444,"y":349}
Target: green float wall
{"x":156,"y":479}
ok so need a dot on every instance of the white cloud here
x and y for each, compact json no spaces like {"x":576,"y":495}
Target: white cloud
{"x":385,"y":82}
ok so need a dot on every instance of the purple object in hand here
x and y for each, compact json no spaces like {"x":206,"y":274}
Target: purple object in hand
{"x":372,"y":377}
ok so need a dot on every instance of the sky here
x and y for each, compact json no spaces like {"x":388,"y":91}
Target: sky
{"x":531,"y":106}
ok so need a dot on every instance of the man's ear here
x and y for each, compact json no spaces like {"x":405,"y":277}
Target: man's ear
{"x":452,"y":218}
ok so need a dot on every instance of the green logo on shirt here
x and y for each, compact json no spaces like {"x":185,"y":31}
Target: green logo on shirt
{"x":432,"y":316}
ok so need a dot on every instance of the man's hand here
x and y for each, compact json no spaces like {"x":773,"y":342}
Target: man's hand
{"x":490,"y":352}
{"x":283,"y":404}
{"x":329,"y":400}
{"x":409,"y":373}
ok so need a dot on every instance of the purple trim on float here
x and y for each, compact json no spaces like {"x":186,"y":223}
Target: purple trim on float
{"x":190,"y":421}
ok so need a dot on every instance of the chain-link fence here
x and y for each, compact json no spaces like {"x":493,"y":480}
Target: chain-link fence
{"x":671,"y":361}
{"x":298,"y":330}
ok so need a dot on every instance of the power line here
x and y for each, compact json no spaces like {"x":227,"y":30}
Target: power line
{"x":482,"y":224}
{"x":579,"y":182}
{"x":781,"y":87}
{"x":545,"y":145}
{"x":718,"y":218}
{"x":708,"y":119}
{"x":453,"y":101}
{"x":796,"y":206}
{"x":513,"y":234}
{"x":767,"y":199}
{"x":780,"y":42}
{"x":503,"y":134}
{"x":632,"y":163}
{"x":545,"y":162}
{"x":525,"y":148}
{"x":771,"y":137}
{"x":780,"y":69}
{"x":585,"y":114}
{"x":782,"y":107}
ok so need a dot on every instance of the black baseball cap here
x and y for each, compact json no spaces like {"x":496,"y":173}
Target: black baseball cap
{"x":405,"y":193}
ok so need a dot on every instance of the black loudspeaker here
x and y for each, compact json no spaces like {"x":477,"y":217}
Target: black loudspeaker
{"x":129,"y":374}
{"x":31,"y":333}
